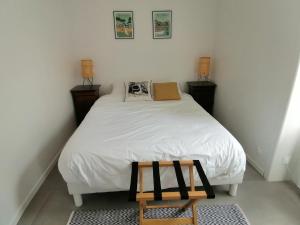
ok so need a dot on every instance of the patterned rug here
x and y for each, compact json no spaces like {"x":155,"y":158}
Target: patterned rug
{"x":208,"y":215}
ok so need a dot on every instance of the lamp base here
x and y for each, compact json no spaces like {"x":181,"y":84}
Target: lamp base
{"x":88,"y":80}
{"x":203,"y":78}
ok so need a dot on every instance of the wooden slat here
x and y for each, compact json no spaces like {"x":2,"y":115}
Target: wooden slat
{"x":175,"y":221}
{"x":195,"y":214}
{"x":171,"y":195}
{"x":162,"y":206}
{"x":167,"y":163}
{"x":141,"y":180}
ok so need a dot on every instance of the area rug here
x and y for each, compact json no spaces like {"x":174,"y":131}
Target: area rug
{"x":207,"y":214}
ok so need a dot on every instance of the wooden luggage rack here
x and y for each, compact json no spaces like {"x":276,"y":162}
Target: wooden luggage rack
{"x":184,"y":193}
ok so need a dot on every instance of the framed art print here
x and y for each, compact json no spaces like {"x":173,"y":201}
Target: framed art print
{"x":162,"y":24}
{"x":123,"y":24}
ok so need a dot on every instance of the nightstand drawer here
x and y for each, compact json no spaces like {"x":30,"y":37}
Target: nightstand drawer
{"x":83,"y":105}
{"x":203,"y":93}
{"x":83,"y":98}
{"x":86,"y":93}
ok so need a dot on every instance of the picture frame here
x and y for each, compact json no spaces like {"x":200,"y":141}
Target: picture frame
{"x":162,"y":24}
{"x":123,"y":24}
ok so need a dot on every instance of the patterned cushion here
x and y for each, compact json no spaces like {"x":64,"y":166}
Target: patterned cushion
{"x":138,"y":91}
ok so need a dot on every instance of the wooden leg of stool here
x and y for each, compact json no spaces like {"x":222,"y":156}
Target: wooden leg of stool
{"x":190,"y":203}
{"x":142,"y":203}
{"x":141,"y":216}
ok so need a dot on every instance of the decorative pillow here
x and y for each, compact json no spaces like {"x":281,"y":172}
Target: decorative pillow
{"x":166,"y":91}
{"x":138,"y":91}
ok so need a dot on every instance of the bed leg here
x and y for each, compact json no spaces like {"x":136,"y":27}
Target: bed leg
{"x":77,"y":200}
{"x":233,"y":189}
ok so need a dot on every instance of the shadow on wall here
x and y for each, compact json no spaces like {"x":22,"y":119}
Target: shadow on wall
{"x":40,"y":167}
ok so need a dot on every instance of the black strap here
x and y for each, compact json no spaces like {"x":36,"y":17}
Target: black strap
{"x":156,"y":181}
{"x":133,"y":182}
{"x":182,"y":187}
{"x":208,"y":189}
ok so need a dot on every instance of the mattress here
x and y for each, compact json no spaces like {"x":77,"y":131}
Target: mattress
{"x":115,"y":133}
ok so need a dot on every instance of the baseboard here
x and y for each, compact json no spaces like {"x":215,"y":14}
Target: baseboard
{"x":252,"y":162}
{"x":34,"y":190}
{"x":70,"y":218}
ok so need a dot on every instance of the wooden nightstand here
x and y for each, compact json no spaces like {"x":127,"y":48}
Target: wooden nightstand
{"x":83,"y":99}
{"x":203,"y":92}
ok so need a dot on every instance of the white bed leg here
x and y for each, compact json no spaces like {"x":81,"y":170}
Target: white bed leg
{"x":233,"y":189}
{"x":77,"y":200}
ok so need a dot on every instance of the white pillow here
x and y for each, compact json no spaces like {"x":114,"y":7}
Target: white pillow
{"x":118,"y":88}
{"x":138,"y":91}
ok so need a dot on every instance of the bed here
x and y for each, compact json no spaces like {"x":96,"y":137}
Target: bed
{"x":114,"y":133}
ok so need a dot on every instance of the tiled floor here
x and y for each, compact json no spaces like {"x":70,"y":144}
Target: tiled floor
{"x":264,"y":203}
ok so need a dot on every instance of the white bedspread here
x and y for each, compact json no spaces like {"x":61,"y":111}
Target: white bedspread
{"x":115,"y":133}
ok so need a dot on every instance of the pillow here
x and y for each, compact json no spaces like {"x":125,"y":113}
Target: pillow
{"x":118,"y":88}
{"x":167,"y":81}
{"x":166,"y":91}
{"x":138,"y":91}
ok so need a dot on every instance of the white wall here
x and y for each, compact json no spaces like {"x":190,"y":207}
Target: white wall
{"x":256,"y":57}
{"x":143,"y":57}
{"x":36,"y":108}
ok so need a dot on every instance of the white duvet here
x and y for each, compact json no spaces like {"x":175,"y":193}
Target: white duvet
{"x":115,"y":133}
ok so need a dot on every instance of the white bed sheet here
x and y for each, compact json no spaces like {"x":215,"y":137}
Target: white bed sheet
{"x":115,"y":133}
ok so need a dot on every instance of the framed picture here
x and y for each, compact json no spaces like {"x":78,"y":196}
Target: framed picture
{"x":162,"y":24}
{"x":123,"y":24}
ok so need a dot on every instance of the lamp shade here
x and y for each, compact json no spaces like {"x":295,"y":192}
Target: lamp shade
{"x":87,"y":68}
{"x":203,"y":67}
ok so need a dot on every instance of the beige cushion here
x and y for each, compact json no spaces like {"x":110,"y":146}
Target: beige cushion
{"x":166,"y":91}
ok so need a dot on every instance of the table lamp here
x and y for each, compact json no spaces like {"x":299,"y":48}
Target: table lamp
{"x":87,"y":72}
{"x":203,"y":68}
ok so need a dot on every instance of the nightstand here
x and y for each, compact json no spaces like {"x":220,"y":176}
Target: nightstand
{"x":203,"y":93}
{"x":83,"y":99}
